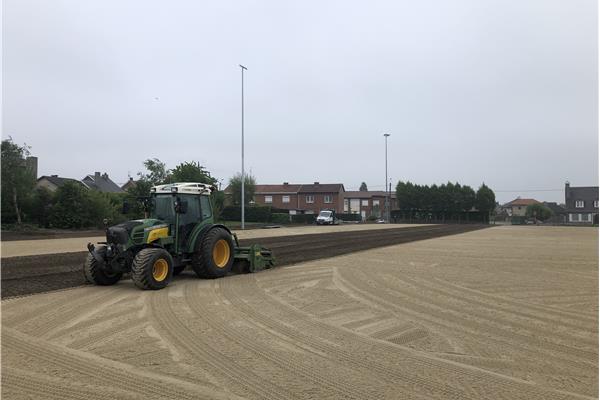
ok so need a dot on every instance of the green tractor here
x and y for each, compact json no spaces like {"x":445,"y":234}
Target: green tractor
{"x":180,"y":231}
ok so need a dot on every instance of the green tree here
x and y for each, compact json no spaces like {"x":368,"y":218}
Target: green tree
{"x":41,"y":207}
{"x":157,"y":172}
{"x":18,"y":179}
{"x":70,"y":207}
{"x":235,"y":184}
{"x":363,"y":187}
{"x":538,"y":211}
{"x":192,"y":172}
{"x":485,"y":201}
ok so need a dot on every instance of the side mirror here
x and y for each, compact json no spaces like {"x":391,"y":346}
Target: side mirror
{"x":125,"y":209}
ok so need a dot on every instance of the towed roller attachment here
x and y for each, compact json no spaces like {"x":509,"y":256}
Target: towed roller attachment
{"x":254,"y":258}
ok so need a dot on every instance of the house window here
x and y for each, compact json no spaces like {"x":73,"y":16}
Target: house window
{"x":328,"y":198}
{"x":285,"y":199}
{"x":579,"y":203}
{"x":595,"y":203}
{"x":268,"y":199}
{"x":365,"y":203}
{"x":346,"y":205}
{"x":585,"y":217}
{"x":310,"y":198}
{"x":375,"y":203}
{"x":574,"y":217}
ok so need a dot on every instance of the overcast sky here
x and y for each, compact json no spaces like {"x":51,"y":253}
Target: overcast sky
{"x":501,"y":92}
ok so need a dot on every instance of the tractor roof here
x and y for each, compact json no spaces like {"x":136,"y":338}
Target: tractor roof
{"x":183,"y":187}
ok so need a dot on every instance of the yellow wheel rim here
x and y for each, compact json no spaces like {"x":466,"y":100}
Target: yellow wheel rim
{"x":221,"y":253}
{"x":160,"y":270}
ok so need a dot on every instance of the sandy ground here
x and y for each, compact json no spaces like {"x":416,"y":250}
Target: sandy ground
{"x":51,"y":246}
{"x":502,"y":313}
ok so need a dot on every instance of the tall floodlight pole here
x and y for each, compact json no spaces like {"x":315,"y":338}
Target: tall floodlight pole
{"x":243,"y":176}
{"x":387,"y":202}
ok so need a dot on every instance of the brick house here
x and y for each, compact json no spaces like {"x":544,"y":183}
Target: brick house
{"x":300,"y":198}
{"x":518,"y":206}
{"x":581,"y":204}
{"x":368,"y":203}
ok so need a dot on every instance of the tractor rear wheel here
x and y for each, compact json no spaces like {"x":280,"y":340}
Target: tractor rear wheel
{"x":214,"y":254}
{"x":152,"y":269}
{"x":93,"y":272}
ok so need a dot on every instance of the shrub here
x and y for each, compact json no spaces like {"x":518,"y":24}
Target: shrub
{"x":304,"y":218}
{"x":280,"y":218}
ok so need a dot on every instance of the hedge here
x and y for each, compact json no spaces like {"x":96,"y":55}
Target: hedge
{"x":251,"y":214}
{"x":349,"y":217}
{"x":280,"y":218}
{"x":304,"y":218}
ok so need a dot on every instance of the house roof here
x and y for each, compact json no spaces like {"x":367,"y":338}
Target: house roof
{"x":586,"y":193}
{"x":322,"y":188}
{"x":57,"y":180}
{"x":285,"y":188}
{"x":521,"y":202}
{"x":294,"y":188}
{"x":101,"y":183}
{"x":555,"y":207}
{"x":358,"y":194}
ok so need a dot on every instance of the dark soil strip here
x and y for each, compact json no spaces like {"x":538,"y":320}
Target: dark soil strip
{"x":41,"y":273}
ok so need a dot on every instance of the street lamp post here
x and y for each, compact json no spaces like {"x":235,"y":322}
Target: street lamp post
{"x":243,"y":177}
{"x":387,"y":201}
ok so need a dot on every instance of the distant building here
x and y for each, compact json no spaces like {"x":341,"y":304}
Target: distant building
{"x":368,"y":203}
{"x":581,"y":204}
{"x":518,"y":207}
{"x":101,"y":183}
{"x":53,"y":182}
{"x":129,"y":184}
{"x":299,"y":198}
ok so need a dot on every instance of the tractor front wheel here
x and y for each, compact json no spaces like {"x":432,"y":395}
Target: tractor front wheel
{"x":214,"y":254}
{"x":152,"y":269}
{"x":94,"y":273}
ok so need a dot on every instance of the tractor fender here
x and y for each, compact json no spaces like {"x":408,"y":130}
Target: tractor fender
{"x":200,"y":235}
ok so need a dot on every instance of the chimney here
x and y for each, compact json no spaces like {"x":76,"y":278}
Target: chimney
{"x":567,"y":192}
{"x":286,"y":183}
{"x":105,"y":176}
{"x":96,"y":176}
{"x":54,"y":176}
{"x":316,"y":183}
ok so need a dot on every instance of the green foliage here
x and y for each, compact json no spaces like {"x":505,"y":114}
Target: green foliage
{"x":41,"y":207}
{"x":17,"y":182}
{"x":485,"y":200}
{"x":449,"y":200}
{"x":157,"y":172}
{"x":280,"y":218}
{"x":304,"y":218}
{"x":252,"y":214}
{"x":191,"y":172}
{"x":348,"y":217}
{"x":235,"y":184}
{"x":363,"y":187}
{"x":538,"y":211}
{"x":77,"y":207}
{"x":218,"y":202}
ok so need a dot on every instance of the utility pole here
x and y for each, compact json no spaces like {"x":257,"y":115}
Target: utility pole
{"x":243,"y":176}
{"x":387,"y":201}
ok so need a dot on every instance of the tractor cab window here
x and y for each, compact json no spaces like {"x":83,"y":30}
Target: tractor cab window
{"x":206,"y":207}
{"x":193,"y":210}
{"x":163,"y":208}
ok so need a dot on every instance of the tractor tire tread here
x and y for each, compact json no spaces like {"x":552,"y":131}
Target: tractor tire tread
{"x":141,"y":270}
{"x":95,"y":275}
{"x":203,"y":254}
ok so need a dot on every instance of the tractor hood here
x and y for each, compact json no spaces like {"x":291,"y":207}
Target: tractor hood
{"x":134,"y":229}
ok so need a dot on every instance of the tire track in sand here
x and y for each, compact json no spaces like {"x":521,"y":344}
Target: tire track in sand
{"x":418,"y":374}
{"x":341,"y":387}
{"x":176,"y":332}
